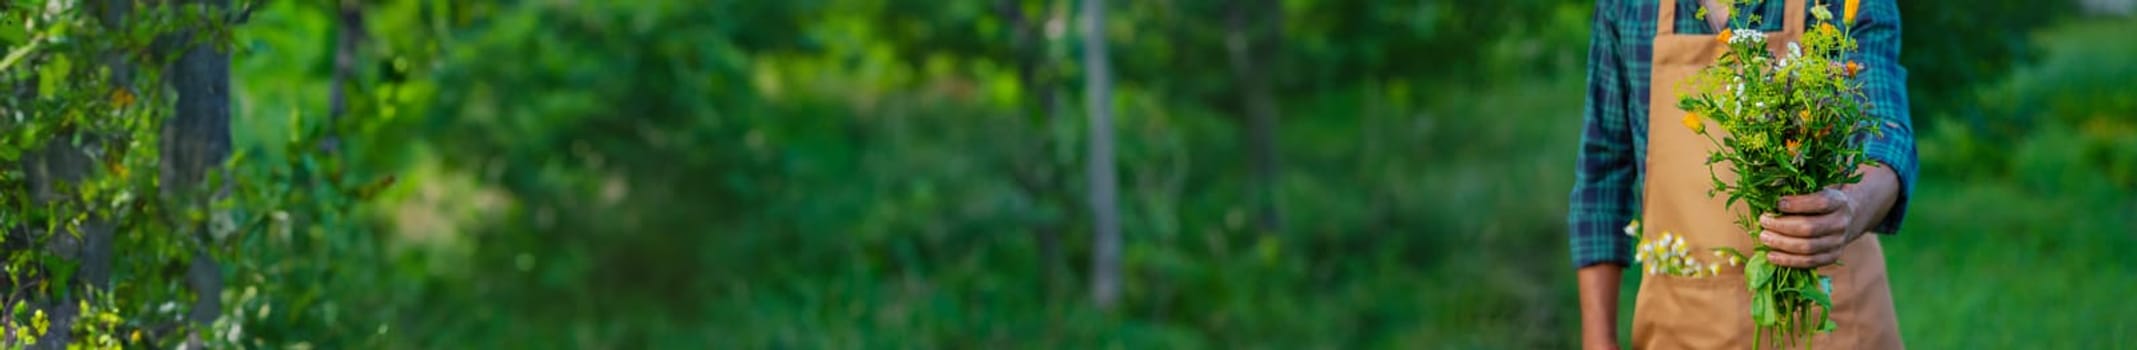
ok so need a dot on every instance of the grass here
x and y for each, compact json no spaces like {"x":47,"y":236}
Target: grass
{"x":1997,"y":266}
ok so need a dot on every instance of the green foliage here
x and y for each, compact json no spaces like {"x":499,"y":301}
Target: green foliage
{"x":891,"y":173}
{"x":2036,"y":201}
{"x":80,"y":167}
{"x":859,"y":178}
{"x":79,"y":163}
{"x":1954,"y":48}
{"x":2078,"y":97}
{"x":85,"y":165}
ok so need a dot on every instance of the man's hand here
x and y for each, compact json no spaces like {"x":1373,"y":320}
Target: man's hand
{"x":1813,"y":228}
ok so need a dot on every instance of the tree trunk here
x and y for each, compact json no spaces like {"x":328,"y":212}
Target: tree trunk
{"x":1035,"y":172}
{"x":349,"y":33}
{"x":63,"y":162}
{"x":197,"y":139}
{"x":1105,"y":247}
{"x":96,"y":248}
{"x":1251,"y":32}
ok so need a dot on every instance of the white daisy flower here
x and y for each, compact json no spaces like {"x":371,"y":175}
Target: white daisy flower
{"x":1747,"y":36}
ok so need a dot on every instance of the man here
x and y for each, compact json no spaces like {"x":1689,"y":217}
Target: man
{"x":1638,"y":51}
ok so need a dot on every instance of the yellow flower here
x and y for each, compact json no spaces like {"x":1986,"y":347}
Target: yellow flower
{"x":122,"y":98}
{"x":1806,"y":114}
{"x":1691,"y":121}
{"x":1847,"y":13}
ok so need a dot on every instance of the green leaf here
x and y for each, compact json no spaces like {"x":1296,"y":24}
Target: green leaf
{"x":1825,"y":321}
{"x":1762,"y":309}
{"x":63,"y":273}
{"x":18,"y":53}
{"x":1757,"y":272}
{"x":1814,"y":295}
{"x":13,"y":34}
{"x":52,"y":74}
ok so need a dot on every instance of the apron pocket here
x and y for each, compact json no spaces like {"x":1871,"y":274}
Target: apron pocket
{"x":1677,"y":312}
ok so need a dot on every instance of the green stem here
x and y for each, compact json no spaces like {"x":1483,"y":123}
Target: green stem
{"x":1807,"y":344}
{"x":20,"y":52}
{"x":1757,"y":335}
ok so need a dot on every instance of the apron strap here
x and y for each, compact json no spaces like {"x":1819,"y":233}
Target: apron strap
{"x":1666,"y":22}
{"x":1791,"y":18}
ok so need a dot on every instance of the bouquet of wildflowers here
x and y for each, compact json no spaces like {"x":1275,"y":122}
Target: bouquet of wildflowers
{"x":1791,"y":122}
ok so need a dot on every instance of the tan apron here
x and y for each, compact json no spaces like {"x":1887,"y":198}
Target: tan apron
{"x":1714,"y":312}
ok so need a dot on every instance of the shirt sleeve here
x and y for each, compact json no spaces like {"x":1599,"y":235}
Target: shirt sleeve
{"x":1603,"y":185}
{"x":1877,"y":31}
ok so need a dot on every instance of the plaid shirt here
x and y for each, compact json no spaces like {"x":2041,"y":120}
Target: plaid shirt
{"x":1606,"y":187}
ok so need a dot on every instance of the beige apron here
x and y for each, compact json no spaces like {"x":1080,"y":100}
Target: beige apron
{"x":1714,"y":312}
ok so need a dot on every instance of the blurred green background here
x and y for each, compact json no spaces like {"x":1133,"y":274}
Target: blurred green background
{"x":910,"y":173}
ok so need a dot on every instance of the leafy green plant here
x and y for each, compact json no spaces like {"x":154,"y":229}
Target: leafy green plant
{"x":102,"y":247}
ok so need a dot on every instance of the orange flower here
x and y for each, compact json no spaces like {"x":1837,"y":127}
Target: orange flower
{"x":1793,"y":146}
{"x":1853,"y":68}
{"x":115,"y":168}
{"x":1848,"y":11}
{"x":122,"y":98}
{"x":1828,"y":29}
{"x":1691,"y":121}
{"x":1723,"y":37}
